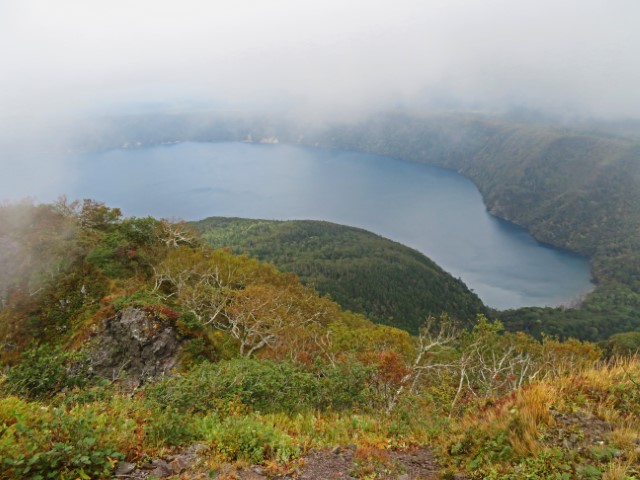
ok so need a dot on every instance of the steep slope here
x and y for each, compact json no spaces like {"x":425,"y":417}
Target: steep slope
{"x":130,"y":349}
{"x":388,"y":282}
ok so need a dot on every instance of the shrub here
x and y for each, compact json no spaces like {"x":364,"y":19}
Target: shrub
{"x":170,"y":427}
{"x":138,"y":299}
{"x":262,"y":386}
{"x":344,"y":386}
{"x":43,"y":442}
{"x":248,"y":438}
{"x":45,"y":371}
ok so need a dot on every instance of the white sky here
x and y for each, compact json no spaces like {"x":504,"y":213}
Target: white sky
{"x":322,"y":56}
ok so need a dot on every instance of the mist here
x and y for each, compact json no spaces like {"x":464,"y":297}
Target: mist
{"x":68,"y":61}
{"x":330,"y":58}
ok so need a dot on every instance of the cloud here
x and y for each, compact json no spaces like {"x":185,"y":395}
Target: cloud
{"x":330,"y":56}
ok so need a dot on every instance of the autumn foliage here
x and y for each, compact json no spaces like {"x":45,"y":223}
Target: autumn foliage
{"x":266,"y":368}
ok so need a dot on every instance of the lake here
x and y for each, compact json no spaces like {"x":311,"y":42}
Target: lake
{"x":433,"y":210}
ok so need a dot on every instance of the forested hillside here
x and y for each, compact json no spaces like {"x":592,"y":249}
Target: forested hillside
{"x":578,"y":191}
{"x":572,"y":190}
{"x":363,"y":272}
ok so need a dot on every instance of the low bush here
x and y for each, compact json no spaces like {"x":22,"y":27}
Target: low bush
{"x":170,"y":428}
{"x":248,"y":438}
{"x":39,"y":442}
{"x":45,"y":371}
{"x":261,"y":386}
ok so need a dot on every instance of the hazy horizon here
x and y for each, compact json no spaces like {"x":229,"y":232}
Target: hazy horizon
{"x":338,"y":60}
{"x":329,"y":59}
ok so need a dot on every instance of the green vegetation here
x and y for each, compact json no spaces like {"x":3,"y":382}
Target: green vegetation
{"x":579,"y":191}
{"x":384,"y":280}
{"x":264,"y":369}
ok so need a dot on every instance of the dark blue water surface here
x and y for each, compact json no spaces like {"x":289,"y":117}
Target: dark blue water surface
{"x":436,"y":211}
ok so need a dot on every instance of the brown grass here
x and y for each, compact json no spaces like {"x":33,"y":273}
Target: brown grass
{"x":617,"y":470}
{"x":530,"y":414}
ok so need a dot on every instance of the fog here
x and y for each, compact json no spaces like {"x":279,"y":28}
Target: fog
{"x":330,"y":58}
{"x":65,"y":61}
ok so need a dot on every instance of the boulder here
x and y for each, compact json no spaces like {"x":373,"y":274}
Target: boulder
{"x":135,"y":344}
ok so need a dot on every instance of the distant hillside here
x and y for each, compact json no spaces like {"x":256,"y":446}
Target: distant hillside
{"x":388,"y":282}
{"x":573,"y":190}
{"x":579,"y":191}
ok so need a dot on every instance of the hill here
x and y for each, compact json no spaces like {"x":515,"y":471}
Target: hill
{"x":130,"y":348}
{"x":574,"y":190}
{"x":571,"y":189}
{"x":387,"y":282}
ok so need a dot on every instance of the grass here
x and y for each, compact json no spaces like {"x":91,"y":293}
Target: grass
{"x":582,"y":424}
{"x":515,"y":434}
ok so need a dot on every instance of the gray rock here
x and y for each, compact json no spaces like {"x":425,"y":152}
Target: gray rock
{"x":135,"y":344}
{"x":124,"y":468}
{"x":404,"y":476}
{"x":181,"y":463}
{"x":197,"y":448}
{"x":161,"y":470}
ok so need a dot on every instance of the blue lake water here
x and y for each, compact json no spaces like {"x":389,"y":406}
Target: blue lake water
{"x":436,"y":211}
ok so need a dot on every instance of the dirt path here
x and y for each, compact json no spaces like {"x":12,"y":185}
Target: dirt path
{"x":348,"y":463}
{"x":416,"y":464}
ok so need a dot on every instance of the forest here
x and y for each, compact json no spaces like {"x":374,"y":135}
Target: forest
{"x":363,"y":272}
{"x":572,"y":189}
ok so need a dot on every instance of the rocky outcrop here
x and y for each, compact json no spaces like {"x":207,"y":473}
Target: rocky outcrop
{"x":168,"y":466}
{"x":136,"y":344}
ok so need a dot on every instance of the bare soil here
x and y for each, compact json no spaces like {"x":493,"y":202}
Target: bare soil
{"x":348,"y":463}
{"x":351,"y":463}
